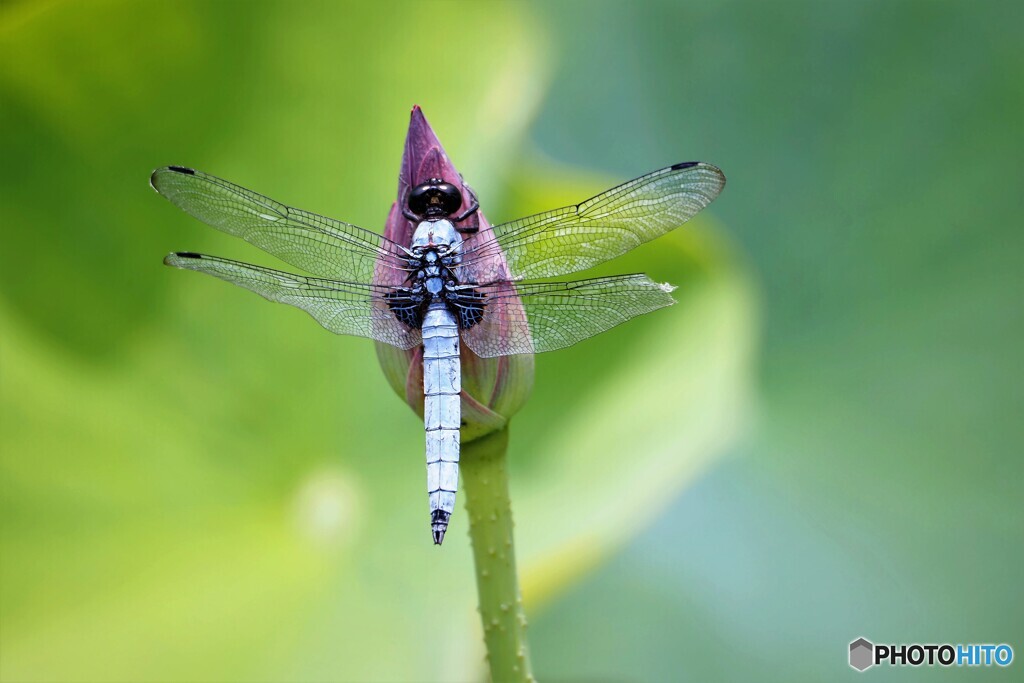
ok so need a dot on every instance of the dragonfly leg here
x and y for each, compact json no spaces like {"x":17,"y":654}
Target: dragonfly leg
{"x":474,"y":206}
{"x":403,"y":201}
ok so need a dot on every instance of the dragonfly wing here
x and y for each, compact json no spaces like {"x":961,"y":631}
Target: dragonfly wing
{"x":323,"y":246}
{"x":537,"y":317}
{"x":342,"y":307}
{"x":578,"y":237}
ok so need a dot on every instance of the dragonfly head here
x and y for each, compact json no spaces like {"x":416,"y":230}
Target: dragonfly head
{"x":434,"y":199}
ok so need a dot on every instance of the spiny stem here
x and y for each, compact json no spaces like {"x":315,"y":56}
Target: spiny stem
{"x":484,"y":468}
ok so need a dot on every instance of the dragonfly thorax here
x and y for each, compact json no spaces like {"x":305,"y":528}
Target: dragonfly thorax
{"x":435,"y":246}
{"x":436,"y":279}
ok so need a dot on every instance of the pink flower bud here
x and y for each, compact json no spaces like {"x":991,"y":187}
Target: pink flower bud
{"x":493,"y":389}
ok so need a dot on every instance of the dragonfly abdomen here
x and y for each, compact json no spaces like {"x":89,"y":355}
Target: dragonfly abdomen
{"x":442,"y":382}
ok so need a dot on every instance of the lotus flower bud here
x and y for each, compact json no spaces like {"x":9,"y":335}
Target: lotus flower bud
{"x":493,"y":389}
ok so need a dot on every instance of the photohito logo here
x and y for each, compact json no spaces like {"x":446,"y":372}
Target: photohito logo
{"x":864,"y":654}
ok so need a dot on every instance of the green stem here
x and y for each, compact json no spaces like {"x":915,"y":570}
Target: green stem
{"x":485,"y":482}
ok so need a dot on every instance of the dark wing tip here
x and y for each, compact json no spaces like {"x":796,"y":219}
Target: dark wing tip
{"x":703,"y":164}
{"x":154,"y":177}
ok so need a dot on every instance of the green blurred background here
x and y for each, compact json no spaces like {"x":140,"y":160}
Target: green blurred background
{"x":822,"y":441}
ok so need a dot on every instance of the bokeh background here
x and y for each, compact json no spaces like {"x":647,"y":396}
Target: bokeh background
{"x":821,"y":441}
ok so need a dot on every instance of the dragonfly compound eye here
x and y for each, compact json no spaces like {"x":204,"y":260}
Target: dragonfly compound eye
{"x":435,"y":198}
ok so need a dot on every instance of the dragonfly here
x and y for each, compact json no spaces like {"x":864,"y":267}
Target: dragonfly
{"x":453,"y":284}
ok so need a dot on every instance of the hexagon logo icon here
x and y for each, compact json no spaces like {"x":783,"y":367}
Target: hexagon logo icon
{"x":862,"y":654}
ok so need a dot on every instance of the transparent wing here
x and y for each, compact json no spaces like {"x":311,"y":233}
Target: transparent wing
{"x":578,"y":237}
{"x":342,"y":307}
{"x":323,"y":246}
{"x":537,"y":317}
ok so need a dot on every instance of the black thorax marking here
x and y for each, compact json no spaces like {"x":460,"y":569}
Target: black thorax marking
{"x":432,"y":279}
